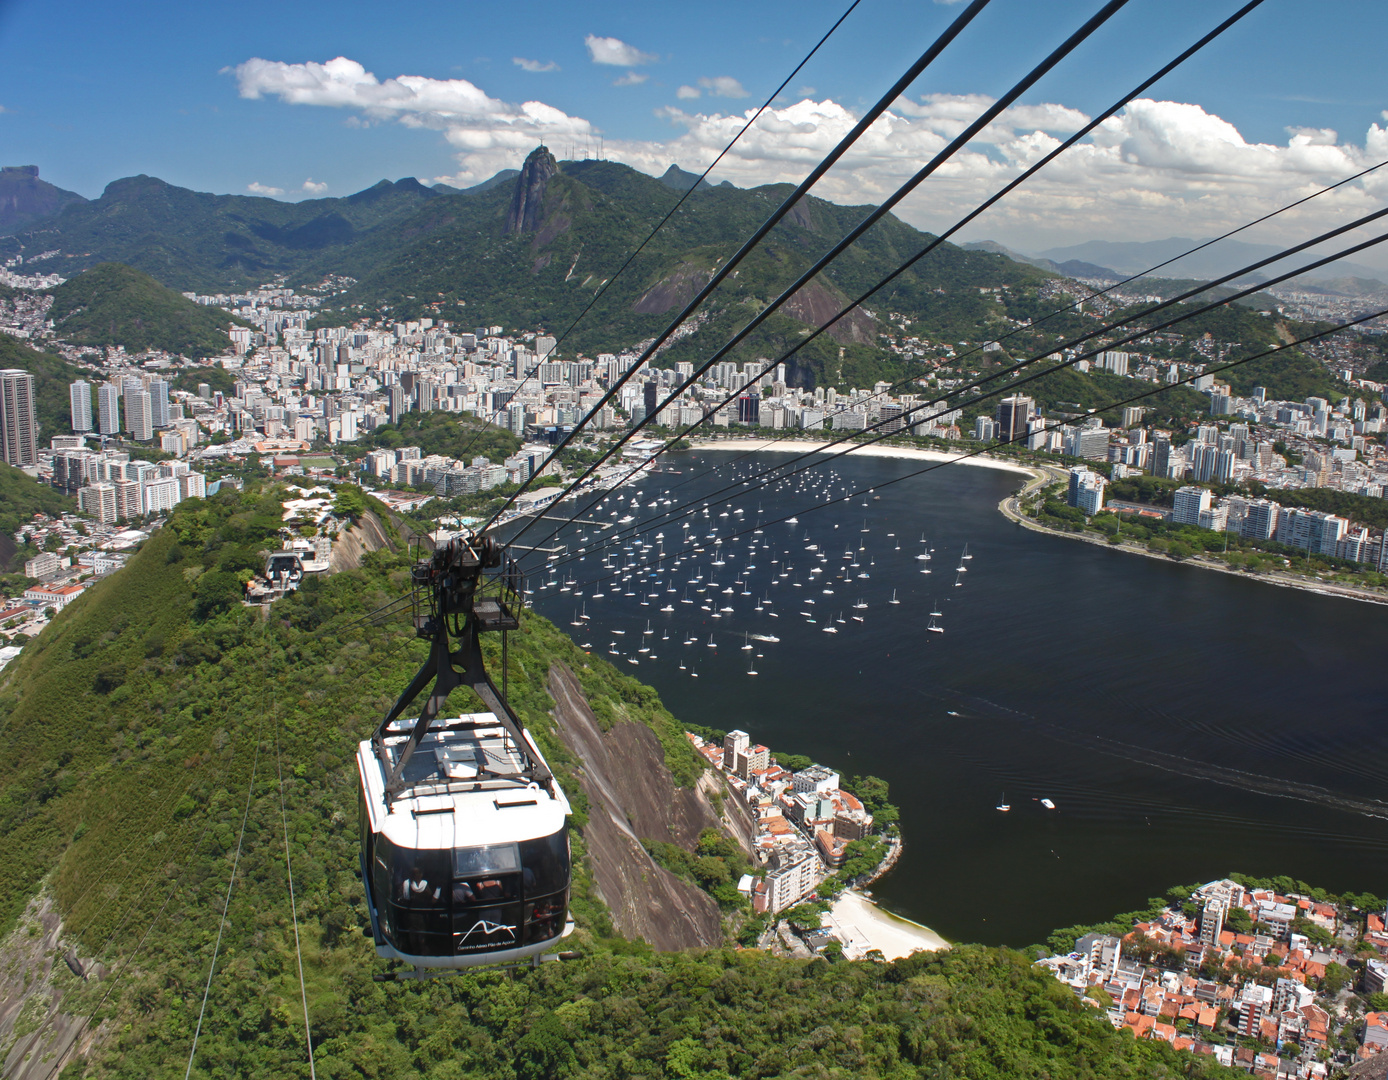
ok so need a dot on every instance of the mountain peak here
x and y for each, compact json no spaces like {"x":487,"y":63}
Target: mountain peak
{"x":25,"y":199}
{"x":527,"y":202}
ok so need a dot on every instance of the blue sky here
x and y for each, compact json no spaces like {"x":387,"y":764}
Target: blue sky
{"x":92,"y":92}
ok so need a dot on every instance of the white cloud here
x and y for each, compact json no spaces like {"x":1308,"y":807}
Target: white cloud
{"x":314,"y":187}
{"x":631,"y":78}
{"x":617,"y":53}
{"x":688,"y":93}
{"x":1158,"y":169}
{"x":534,"y":65}
{"x":257,"y":188}
{"x":723,"y":86}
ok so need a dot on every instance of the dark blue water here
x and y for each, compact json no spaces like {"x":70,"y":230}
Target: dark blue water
{"x":1186,"y":723}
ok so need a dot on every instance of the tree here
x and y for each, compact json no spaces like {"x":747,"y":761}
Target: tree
{"x":1336,"y":978}
{"x":350,"y":502}
{"x":1238,"y":920}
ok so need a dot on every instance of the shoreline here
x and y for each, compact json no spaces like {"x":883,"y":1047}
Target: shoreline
{"x":1046,"y":474}
{"x":864,"y":925}
{"x":1008,"y":507}
{"x":875,"y":450}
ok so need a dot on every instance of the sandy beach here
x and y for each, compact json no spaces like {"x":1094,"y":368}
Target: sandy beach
{"x":876,"y":450}
{"x":863,"y":926}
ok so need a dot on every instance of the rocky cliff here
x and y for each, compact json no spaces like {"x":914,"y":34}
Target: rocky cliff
{"x":633,"y":797}
{"x":528,"y":199}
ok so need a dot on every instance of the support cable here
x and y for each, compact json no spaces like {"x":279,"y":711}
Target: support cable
{"x":848,"y":495}
{"x":226,"y":906}
{"x":958,"y":143}
{"x":771,"y":441}
{"x":669,"y":517}
{"x":929,"y":247}
{"x":488,"y":421}
{"x":293,"y":908}
{"x":868,"y":119}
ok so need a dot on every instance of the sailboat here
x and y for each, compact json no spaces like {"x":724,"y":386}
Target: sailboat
{"x":746,"y":645}
{"x":893,"y":600}
{"x":1004,"y":805}
{"x":937,"y":612}
{"x":751,"y":666}
{"x":957,"y":582}
{"x":966,"y":556}
{"x":935,"y":629}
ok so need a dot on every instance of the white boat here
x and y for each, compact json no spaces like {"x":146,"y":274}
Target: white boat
{"x":935,"y":629}
{"x":1004,"y":805}
{"x":1048,"y":804}
{"x":893,"y":600}
{"x":830,"y":629}
{"x":966,"y":554}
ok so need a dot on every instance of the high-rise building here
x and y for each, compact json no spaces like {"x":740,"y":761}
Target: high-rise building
{"x":1086,"y":491}
{"x":74,"y":469}
{"x":1188,"y":502}
{"x":1260,"y":519}
{"x":108,"y":409}
{"x":98,"y":501}
{"x":1014,"y":412}
{"x":1212,"y":922}
{"x":1161,"y":455}
{"x":985,"y":430}
{"x":159,"y":402}
{"x":80,"y":397}
{"x":130,"y":503}
{"x":139,"y":415}
{"x":749,"y":408}
{"x":19,"y":425}
{"x":734,"y":743}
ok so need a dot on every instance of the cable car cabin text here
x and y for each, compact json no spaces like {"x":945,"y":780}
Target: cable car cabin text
{"x":470,"y":864}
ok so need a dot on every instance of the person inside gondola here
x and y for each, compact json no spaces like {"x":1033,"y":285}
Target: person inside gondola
{"x":416,"y":889}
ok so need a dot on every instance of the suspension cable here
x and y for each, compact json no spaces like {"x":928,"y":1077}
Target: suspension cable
{"x":929,"y":247}
{"x":768,"y":442}
{"x":959,"y":142}
{"x":293,"y":907}
{"x":868,"y":119}
{"x":226,"y":906}
{"x":1007,"y":442}
{"x":1141,"y":333}
{"x":488,"y":421}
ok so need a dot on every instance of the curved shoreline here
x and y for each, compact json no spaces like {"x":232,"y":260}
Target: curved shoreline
{"x":1041,"y":474}
{"x":1009,"y":509}
{"x":874,"y":450}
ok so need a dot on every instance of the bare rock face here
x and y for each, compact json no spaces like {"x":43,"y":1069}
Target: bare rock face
{"x":527,"y":201}
{"x":631,"y":796}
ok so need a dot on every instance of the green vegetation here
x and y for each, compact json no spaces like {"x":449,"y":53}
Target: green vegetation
{"x":136,"y":722}
{"x":715,"y":865}
{"x":450,"y":434}
{"x":21,"y":497}
{"x":114,"y":304}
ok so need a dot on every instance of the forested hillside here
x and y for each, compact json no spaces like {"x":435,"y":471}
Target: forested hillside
{"x":114,"y":304}
{"x":157,"y":717}
{"x":419,"y":251}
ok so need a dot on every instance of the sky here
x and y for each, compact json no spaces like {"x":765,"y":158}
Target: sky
{"x":314,"y":99}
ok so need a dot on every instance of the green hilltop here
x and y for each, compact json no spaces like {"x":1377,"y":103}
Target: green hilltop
{"x":156,"y":711}
{"x":115,"y":304}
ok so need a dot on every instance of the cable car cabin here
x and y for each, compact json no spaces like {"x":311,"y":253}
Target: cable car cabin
{"x":469,"y":864}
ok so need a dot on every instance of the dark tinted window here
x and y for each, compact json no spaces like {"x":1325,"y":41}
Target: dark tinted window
{"x":545,"y":863}
{"x":421,"y":878}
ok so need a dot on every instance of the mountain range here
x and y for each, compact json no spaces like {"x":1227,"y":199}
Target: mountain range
{"x":464,"y":255}
{"x":1228,"y":255}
